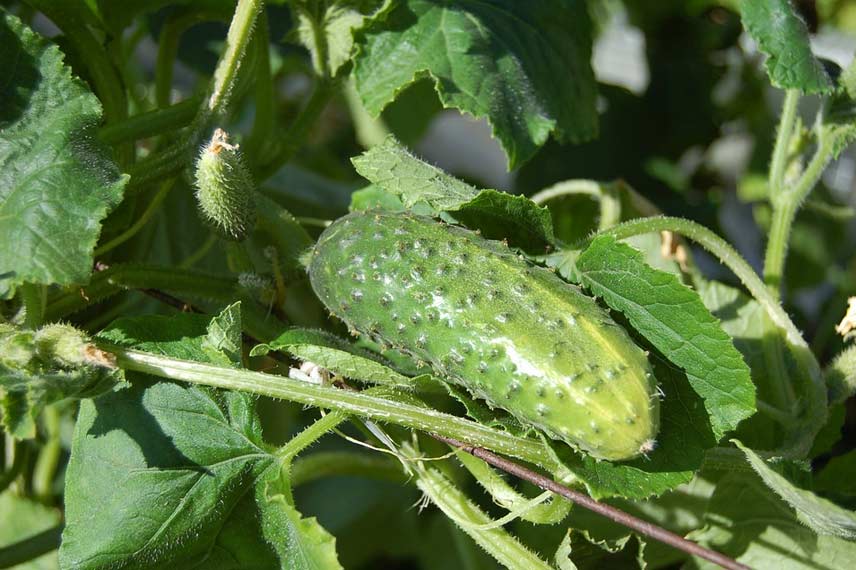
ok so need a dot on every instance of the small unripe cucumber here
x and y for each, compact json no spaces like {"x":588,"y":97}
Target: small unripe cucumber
{"x":511,"y":333}
{"x":224,"y":188}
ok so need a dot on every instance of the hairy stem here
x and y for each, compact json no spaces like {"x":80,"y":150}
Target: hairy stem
{"x":190,"y":283}
{"x":49,"y":456}
{"x":786,"y":202}
{"x":295,"y":136}
{"x":338,"y":463}
{"x":357,"y":403}
{"x":151,"y":123}
{"x":725,"y":253}
{"x":779,"y":161}
{"x":506,"y":549}
{"x":240,"y":32}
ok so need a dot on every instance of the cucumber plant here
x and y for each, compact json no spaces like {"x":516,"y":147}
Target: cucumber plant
{"x":260,"y":349}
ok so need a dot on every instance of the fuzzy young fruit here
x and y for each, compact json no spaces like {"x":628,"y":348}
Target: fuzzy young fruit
{"x":511,"y":333}
{"x":224,"y":188}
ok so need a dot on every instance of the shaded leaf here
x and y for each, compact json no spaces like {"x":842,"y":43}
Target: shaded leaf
{"x":747,"y":521}
{"x":752,"y":333}
{"x":23,"y":518}
{"x":822,"y":516}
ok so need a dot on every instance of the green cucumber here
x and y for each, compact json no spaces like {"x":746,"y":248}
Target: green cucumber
{"x":511,"y":333}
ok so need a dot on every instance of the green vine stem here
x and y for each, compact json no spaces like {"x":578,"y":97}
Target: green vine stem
{"x":310,"y":435}
{"x":605,"y":194}
{"x":265,"y":112}
{"x":357,"y":403}
{"x":295,"y":136}
{"x":150,"y":210}
{"x":503,"y":495}
{"x":168,"y":41}
{"x":506,"y":549}
{"x":31,"y":547}
{"x":779,"y":161}
{"x":189,"y":283}
{"x":47,"y":462}
{"x":34,"y":297}
{"x":20,"y":454}
{"x":240,"y":32}
{"x":337,"y":463}
{"x":786,"y":202}
{"x":151,"y":123}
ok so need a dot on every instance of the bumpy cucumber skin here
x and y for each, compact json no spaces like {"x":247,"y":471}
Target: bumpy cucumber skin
{"x":511,"y":333}
{"x":224,"y":189}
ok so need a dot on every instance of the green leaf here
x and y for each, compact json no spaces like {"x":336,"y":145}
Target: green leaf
{"x":224,"y":336}
{"x":426,"y":189}
{"x":838,"y":476}
{"x":23,"y":518}
{"x":524,"y":67}
{"x":685,"y":434}
{"x":747,"y":521}
{"x":301,"y":540}
{"x":170,"y":476}
{"x":822,"y":516}
{"x":56,"y":183}
{"x":373,"y":197}
{"x":782,"y":35}
{"x":337,"y":21}
{"x":579,"y":551}
{"x":749,"y":327}
{"x":334,"y":354}
{"x":46,"y":366}
{"x":499,"y":215}
{"x":420,"y":186}
{"x":672,"y":317}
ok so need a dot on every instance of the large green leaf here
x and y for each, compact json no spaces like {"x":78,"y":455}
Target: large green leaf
{"x":524,"y":66}
{"x":56,"y":183}
{"x":672,"y":317}
{"x":747,"y":521}
{"x":170,"y":476}
{"x":782,"y":35}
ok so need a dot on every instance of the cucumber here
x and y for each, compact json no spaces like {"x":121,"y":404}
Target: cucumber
{"x":511,"y":333}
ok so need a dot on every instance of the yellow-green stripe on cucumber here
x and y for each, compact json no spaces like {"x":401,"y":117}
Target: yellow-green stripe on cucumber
{"x":511,"y":333}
